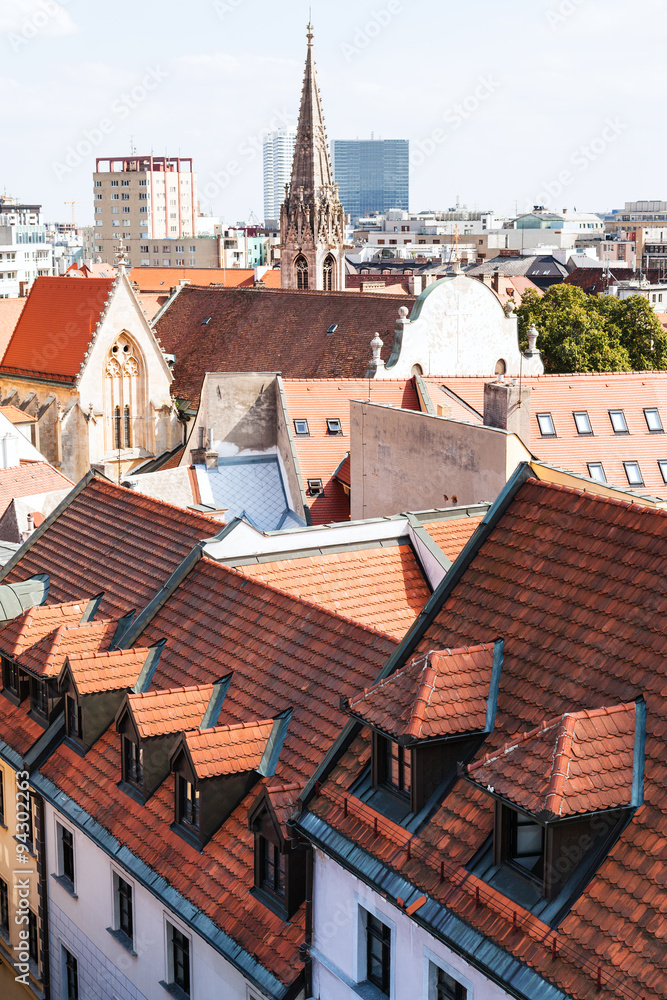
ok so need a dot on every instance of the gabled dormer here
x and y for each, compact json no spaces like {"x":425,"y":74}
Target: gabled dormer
{"x":562,"y":794}
{"x":280,"y":857}
{"x":214,"y":769}
{"x":94,"y":684}
{"x":426,"y":719}
{"x":150,"y":724}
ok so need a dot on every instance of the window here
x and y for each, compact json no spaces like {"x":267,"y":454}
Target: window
{"x":582,"y":422}
{"x":4,"y":908}
{"x":39,"y":698}
{"x":74,"y":718}
{"x":71,"y":974}
{"x":634,"y":473}
{"x":193,"y":249}
{"x":123,"y":912}
{"x":127,"y":421}
{"x":125,"y":184}
{"x":114,"y":184}
{"x":98,"y":184}
{"x":271,"y":867}
{"x":596,"y":472}
{"x":448,"y":988}
{"x":125,"y":197}
{"x":301,"y":427}
{"x":618,"y":422}
{"x":301,"y":265}
{"x":525,"y":844}
{"x":178,"y":959}
{"x":33,"y":939}
{"x":327,"y":273}
{"x":653,"y":421}
{"x":144,"y":248}
{"x":395,"y":766}
{"x":65,"y":840}
{"x":10,"y":677}
{"x":378,"y":953}
{"x":315,"y":487}
{"x":189,"y":802}
{"x":133,"y":762}
{"x":334,"y":426}
{"x":116,"y":428}
{"x":662,"y":464}
{"x":546,"y":425}
{"x":115,"y":197}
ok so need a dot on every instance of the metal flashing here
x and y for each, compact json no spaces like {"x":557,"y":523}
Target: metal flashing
{"x":214,"y":707}
{"x":639,"y":757}
{"x":274,"y":745}
{"x":148,"y":669}
{"x":284,"y":413}
{"x":496,"y":670}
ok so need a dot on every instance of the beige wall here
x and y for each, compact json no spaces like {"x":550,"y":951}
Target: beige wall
{"x":402,"y":460}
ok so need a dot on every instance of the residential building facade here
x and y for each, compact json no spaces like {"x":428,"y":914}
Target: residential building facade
{"x":25,"y":253}
{"x":278,"y":153}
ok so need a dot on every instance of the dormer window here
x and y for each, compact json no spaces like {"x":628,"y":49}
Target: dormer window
{"x":334,"y":426}
{"x":39,"y":698}
{"x":395,"y":766}
{"x":525,"y":843}
{"x":74,"y":716}
{"x":315,"y":487}
{"x":188,"y":803}
{"x":133,"y":762}
{"x":14,"y":682}
{"x":271,"y":867}
{"x":280,"y":861}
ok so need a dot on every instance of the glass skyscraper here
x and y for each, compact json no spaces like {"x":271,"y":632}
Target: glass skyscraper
{"x":278,"y":156}
{"x":372,"y":174}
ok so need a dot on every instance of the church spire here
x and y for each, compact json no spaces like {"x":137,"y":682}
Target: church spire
{"x":312,"y":222}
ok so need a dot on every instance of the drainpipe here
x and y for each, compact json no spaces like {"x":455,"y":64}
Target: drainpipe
{"x":42,"y":879}
{"x":307,"y":960}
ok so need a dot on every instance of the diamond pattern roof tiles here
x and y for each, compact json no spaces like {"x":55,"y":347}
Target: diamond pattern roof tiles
{"x":228,"y":749}
{"x":251,"y":486}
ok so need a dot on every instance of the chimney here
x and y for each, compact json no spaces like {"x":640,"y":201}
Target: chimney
{"x":497,"y":275}
{"x":415,"y":284}
{"x":507,"y":406}
{"x":487,"y":279}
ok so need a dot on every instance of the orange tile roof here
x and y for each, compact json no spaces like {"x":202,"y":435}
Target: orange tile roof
{"x":113,"y":670}
{"x":158,"y":713}
{"x":151,"y":303}
{"x":284,"y":802}
{"x":441,"y":694}
{"x":16,"y":415}
{"x":35,"y":623}
{"x":319,"y":452}
{"x":575,"y":585}
{"x":452,"y":534}
{"x":10,"y":311}
{"x":562,"y":395}
{"x":581,"y":762}
{"x":383,"y":587}
{"x":158,"y":279}
{"x":228,"y":749}
{"x":27,"y":479}
{"x":114,"y":540}
{"x":47,"y":656}
{"x":55,"y":328}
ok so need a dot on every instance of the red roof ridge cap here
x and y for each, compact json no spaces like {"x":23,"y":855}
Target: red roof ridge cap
{"x":160,"y":692}
{"x":230,"y":727}
{"x":560,"y":767}
{"x":513,"y":744}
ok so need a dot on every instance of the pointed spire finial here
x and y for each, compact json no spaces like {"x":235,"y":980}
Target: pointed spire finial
{"x":309,"y":32}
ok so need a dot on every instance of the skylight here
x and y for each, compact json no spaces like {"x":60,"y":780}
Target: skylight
{"x":315,"y":487}
{"x":546,"y":425}
{"x":334,"y":426}
{"x":653,"y":421}
{"x":596,"y":472}
{"x":663,"y":469}
{"x":301,"y":427}
{"x":618,"y":421}
{"x":583,"y":423}
{"x":634,"y":474}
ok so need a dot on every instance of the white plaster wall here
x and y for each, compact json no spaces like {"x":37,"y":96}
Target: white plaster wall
{"x":459,"y":327}
{"x":338,"y":943}
{"x":105,"y":967}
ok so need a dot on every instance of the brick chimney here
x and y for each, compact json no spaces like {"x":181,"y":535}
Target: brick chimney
{"x":497,"y":276}
{"x":507,"y":407}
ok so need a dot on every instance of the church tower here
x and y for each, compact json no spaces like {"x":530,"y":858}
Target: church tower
{"x":312,"y":222}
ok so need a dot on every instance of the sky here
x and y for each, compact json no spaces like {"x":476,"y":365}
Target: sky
{"x":506,"y":105}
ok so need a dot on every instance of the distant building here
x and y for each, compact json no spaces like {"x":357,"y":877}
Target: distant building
{"x":278,"y":156}
{"x":24,"y":251}
{"x":373,"y":175}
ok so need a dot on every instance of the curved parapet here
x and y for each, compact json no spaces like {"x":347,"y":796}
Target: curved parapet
{"x":15,"y":598}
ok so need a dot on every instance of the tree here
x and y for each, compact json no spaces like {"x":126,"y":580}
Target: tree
{"x":591,"y":333}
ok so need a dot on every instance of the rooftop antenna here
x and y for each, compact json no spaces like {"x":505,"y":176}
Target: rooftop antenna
{"x":133,"y":148}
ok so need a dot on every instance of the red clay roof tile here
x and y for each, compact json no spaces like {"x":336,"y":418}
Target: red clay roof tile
{"x":106,"y":671}
{"x":228,"y":749}
{"x":452,"y":534}
{"x":159,"y":713}
{"x":36,"y":623}
{"x":46,"y":657}
{"x":27,"y":479}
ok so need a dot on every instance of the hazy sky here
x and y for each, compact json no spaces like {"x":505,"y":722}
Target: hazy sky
{"x":505,"y":104}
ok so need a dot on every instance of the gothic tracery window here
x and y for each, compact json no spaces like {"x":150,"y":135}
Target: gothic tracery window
{"x":301,"y":265}
{"x":125,"y":393}
{"x":327,"y":273}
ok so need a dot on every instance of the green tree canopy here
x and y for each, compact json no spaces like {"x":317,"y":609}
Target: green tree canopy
{"x":593,"y":333}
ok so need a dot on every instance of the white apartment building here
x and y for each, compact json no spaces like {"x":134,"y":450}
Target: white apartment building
{"x":278,"y":156}
{"x":24,"y":251}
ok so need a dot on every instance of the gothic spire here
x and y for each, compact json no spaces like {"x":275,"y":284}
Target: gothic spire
{"x":311,"y":167}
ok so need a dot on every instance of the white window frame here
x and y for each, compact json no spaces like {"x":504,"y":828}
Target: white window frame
{"x":653,"y":410}
{"x":117,"y":873}
{"x":613,"y":426}
{"x":363,"y":905}
{"x":552,"y":432}
{"x":433,"y":962}
{"x":594,"y":478}
{"x":586,"y":417}
{"x":640,"y":482}
{"x":60,"y":872}
{"x":169,"y":920}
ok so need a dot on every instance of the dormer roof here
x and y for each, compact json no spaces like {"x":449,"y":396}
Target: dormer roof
{"x":94,"y":673}
{"x":46,"y":657}
{"x":228,"y":749}
{"x":578,"y":763}
{"x":447,"y":692}
{"x":161,"y":713}
{"x":36,"y":623}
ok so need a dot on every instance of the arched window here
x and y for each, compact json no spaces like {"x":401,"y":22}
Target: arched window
{"x":327,"y":273}
{"x":301,"y":265}
{"x":116,"y":428}
{"x":501,"y":367}
{"x":128,"y":428}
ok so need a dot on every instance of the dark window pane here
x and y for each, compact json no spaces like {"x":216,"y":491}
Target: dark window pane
{"x":4,"y":907}
{"x":181,"y":960}
{"x":33,"y":940}
{"x":71,"y":976}
{"x":125,"y":920}
{"x":378,"y":953}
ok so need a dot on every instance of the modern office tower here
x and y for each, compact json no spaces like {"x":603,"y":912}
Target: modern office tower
{"x":372,"y":175}
{"x":278,"y":156}
{"x":25,"y":253}
{"x":139,"y":199}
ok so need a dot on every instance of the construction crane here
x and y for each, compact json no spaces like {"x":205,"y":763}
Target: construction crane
{"x":72,"y":203}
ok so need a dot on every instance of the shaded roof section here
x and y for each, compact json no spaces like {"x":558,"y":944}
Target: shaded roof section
{"x":442,"y":694}
{"x":383,"y":587}
{"x":582,"y":762}
{"x":529,"y":266}
{"x":163,"y":279}
{"x":228,"y":749}
{"x":320,"y":452}
{"x":35,"y":624}
{"x":108,"y":671}
{"x":55,"y":328}
{"x":159,"y":713}
{"x":47,"y":656}
{"x":250,"y":487}
{"x":17,"y":416}
{"x":246,"y":330}
{"x":112,"y":539}
{"x":10,"y":310}
{"x":28,"y":479}
{"x":452,"y":534}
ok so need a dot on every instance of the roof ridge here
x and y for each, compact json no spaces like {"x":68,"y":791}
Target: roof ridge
{"x":229,"y":727}
{"x":161,"y":692}
{"x":145,"y":497}
{"x":614,"y":501}
{"x":117,"y":653}
{"x":292,"y":291}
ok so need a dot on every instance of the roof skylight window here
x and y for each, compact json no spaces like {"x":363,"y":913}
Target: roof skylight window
{"x":334,"y":426}
{"x":653,"y":421}
{"x":315,"y":487}
{"x":662,"y":465}
{"x":301,"y":427}
{"x":546,"y":425}
{"x":618,"y":421}
{"x":634,"y":473}
{"x":582,"y":422}
{"x":596,"y":472}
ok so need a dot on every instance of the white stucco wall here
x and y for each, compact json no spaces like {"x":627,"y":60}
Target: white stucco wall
{"x":339,"y":957}
{"x":107,"y":971}
{"x":459,"y":327}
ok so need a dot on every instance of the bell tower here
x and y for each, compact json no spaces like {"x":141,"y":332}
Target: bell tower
{"x":312,"y":221}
